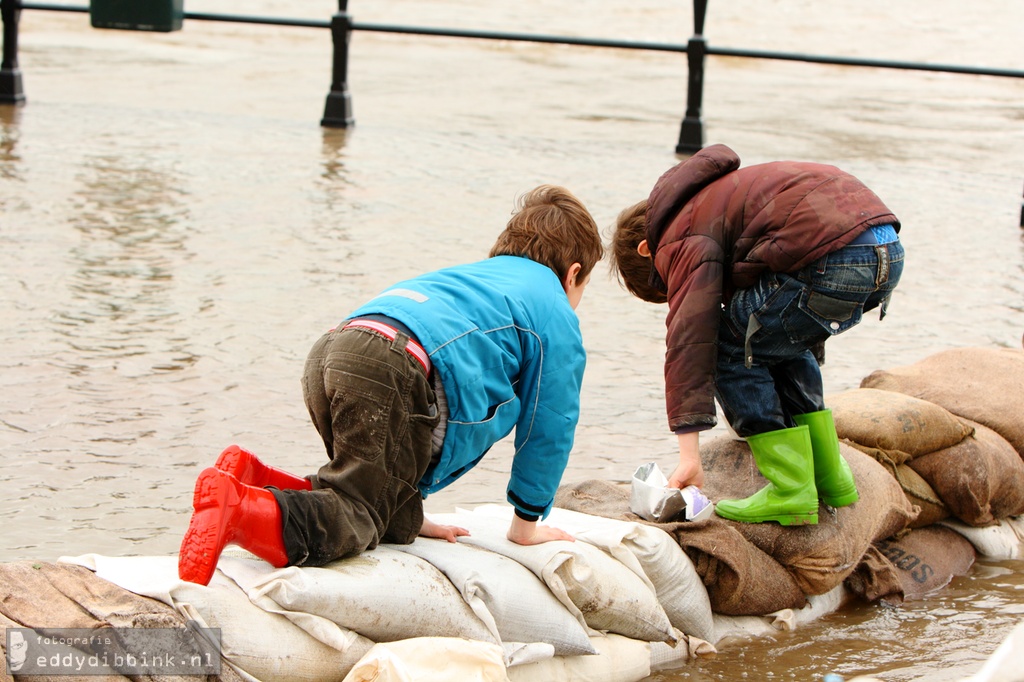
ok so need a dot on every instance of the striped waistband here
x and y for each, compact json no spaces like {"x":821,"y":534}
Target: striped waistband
{"x":414,"y":348}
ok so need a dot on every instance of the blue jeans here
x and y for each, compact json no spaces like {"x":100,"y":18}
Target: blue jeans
{"x":766,"y":371}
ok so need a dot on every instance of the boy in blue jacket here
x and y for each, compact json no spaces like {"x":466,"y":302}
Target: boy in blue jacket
{"x":411,"y":391}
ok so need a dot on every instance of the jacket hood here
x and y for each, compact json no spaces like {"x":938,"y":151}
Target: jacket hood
{"x":677,"y":186}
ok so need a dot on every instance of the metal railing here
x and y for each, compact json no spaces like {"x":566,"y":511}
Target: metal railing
{"x":338,"y":107}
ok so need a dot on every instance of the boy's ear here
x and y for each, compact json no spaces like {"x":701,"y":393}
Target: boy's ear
{"x":570,"y":276}
{"x":643,"y":249}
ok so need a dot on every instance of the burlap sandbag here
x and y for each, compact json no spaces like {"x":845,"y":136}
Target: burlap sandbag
{"x":875,"y":579}
{"x":741,"y":580}
{"x":927,"y":559}
{"x":820,"y":556}
{"x":920,"y":494}
{"x":898,"y":425}
{"x":985,"y":385}
{"x":47,"y":595}
{"x":981,"y":479}
{"x":917,"y":490}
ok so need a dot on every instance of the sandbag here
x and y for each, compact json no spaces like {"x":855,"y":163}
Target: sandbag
{"x":739,"y":578}
{"x":980,"y":479}
{"x":729,"y":628}
{"x":430,"y":659}
{"x":514,"y":603}
{"x":609,"y":596}
{"x":49,"y":595}
{"x":618,"y":659}
{"x":262,"y":640}
{"x":1004,"y":540}
{"x":648,"y":551}
{"x":927,"y":559}
{"x":381,"y":594}
{"x":899,"y":425}
{"x":818,"y":556}
{"x":919,"y":494}
{"x":875,"y":579}
{"x":984,"y":385}
{"x":265,"y":645}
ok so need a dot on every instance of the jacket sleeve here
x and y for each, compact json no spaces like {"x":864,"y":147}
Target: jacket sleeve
{"x":694,"y":268}
{"x":549,"y":391}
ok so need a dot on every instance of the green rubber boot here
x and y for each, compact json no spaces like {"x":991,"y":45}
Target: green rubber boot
{"x":785,"y":458}
{"x":832,"y":474}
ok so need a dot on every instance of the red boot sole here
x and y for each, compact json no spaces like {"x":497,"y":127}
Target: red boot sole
{"x":207,"y":532}
{"x":237,"y":462}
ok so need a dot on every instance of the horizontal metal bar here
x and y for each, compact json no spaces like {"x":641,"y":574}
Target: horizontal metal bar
{"x":875,"y":63}
{"x":588,"y":42}
{"x":274,"y":21}
{"x":520,"y":37}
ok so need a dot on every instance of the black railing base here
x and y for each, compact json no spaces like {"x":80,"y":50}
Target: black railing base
{"x":337,"y":111}
{"x":691,"y":136}
{"x":11,"y":90}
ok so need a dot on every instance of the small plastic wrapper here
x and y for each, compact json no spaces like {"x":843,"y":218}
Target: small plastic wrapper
{"x":653,"y":500}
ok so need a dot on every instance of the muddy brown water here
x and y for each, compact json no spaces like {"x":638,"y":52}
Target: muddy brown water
{"x":177,"y":229}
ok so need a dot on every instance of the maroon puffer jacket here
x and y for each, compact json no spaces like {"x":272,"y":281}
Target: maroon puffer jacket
{"x":714,"y":227}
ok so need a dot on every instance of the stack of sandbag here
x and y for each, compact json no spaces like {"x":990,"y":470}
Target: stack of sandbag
{"x":936,"y":450}
{"x":949,"y":429}
{"x":55,"y":596}
{"x":620,"y":603}
{"x":762,"y":568}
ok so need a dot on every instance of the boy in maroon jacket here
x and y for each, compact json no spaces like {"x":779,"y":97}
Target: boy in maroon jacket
{"x":759,"y":265}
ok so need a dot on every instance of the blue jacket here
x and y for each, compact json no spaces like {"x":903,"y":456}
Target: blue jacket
{"x":508,"y":347}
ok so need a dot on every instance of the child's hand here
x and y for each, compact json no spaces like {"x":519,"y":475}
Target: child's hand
{"x":689,"y":471}
{"x":429,"y":529}
{"x":524,"y":532}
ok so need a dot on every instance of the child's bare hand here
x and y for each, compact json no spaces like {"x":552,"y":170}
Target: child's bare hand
{"x":689,"y":471}
{"x":429,"y":529}
{"x":532,"y":533}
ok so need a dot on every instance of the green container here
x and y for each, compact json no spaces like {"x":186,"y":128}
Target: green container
{"x":137,"y":15}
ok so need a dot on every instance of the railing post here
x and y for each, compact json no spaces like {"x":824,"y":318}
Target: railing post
{"x":691,"y":133}
{"x":11,"y":91}
{"x":338,"y":109}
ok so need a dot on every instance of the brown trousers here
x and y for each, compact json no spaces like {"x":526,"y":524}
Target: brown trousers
{"x":374,"y":408}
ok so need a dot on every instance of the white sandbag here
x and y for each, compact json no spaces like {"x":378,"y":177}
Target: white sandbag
{"x":431,"y":659}
{"x":262,"y":645}
{"x":687,"y":648}
{"x":511,"y":601}
{"x":676,"y":584}
{"x":649,"y":552}
{"x":1000,"y":541}
{"x":265,"y":645}
{"x":729,"y":627}
{"x":381,"y":594}
{"x":521,"y":653}
{"x":618,"y":659}
{"x":609,"y":596}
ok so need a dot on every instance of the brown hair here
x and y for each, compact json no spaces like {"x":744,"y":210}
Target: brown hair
{"x":632,"y":269}
{"x":551,"y":226}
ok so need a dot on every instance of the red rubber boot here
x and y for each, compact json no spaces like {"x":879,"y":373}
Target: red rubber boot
{"x":248,"y":469}
{"x":229,"y":512}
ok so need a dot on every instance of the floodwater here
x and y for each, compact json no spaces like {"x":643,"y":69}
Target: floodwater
{"x":176,"y":229}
